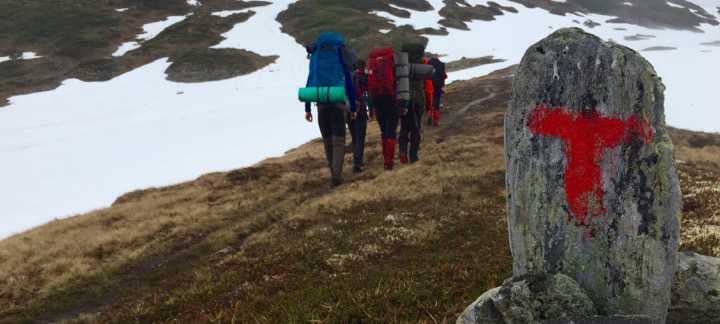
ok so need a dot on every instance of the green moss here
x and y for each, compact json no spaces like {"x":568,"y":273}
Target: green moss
{"x":50,"y":21}
{"x":661,"y":173}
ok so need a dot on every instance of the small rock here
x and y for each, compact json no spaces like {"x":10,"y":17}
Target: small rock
{"x":226,"y":250}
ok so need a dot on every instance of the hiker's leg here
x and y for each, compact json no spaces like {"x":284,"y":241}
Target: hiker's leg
{"x":389,"y":155}
{"x":328,"y":144}
{"x":380,"y":117}
{"x":393,"y":119}
{"x":337,"y":125}
{"x":436,"y":106}
{"x":326,"y":132}
{"x":351,"y":126}
{"x":416,"y":116}
{"x":404,"y":136}
{"x":360,"y":132}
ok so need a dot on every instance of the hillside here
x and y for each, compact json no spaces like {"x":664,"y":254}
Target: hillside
{"x":78,"y":38}
{"x":272,"y":243}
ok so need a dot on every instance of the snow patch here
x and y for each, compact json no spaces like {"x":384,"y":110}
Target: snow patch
{"x":125,"y":47}
{"x":151,"y":30}
{"x":227,"y":13}
{"x":122,"y":9}
{"x":23,"y":56}
{"x":674,"y":5}
{"x":155,"y":28}
{"x":29,"y":56}
{"x":418,"y":19}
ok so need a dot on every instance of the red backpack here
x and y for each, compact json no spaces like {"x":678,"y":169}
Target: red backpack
{"x":381,"y":74}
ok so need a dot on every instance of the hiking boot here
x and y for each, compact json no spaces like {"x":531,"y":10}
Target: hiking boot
{"x":357,"y":169}
{"x":414,"y":159}
{"x":334,"y":182}
{"x":403,"y":158}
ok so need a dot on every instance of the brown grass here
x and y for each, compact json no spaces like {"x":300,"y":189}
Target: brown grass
{"x":698,"y":158}
{"x":413,"y":245}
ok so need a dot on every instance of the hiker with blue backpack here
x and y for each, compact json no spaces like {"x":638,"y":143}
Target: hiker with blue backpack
{"x":329,"y":84}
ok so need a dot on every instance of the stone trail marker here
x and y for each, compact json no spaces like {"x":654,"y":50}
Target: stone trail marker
{"x":592,"y":187}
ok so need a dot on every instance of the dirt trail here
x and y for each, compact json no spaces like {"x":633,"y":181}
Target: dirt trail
{"x":450,"y":124}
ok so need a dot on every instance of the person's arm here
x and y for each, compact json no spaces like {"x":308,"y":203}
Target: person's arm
{"x":349,"y":88}
{"x":350,"y":91}
{"x":307,"y":104}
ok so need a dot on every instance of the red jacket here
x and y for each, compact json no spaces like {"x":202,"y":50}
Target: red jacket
{"x":428,"y":91}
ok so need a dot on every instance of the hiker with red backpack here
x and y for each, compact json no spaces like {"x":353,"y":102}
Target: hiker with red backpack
{"x":329,"y":84}
{"x":381,"y":89}
{"x":438,"y":81}
{"x":358,"y":126}
{"x":411,"y":120}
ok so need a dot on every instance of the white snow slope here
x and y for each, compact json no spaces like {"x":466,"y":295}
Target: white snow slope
{"x":80,"y":146}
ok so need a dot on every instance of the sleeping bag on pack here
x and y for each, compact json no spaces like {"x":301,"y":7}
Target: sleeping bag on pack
{"x":421,"y":71}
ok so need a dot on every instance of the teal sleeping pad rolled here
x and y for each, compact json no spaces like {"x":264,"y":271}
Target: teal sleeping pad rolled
{"x":322,"y":94}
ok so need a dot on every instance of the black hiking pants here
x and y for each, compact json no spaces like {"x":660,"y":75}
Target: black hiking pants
{"x":437,"y":94}
{"x":387,"y":115}
{"x":358,"y":129}
{"x":410,"y":131}
{"x":331,"y":120}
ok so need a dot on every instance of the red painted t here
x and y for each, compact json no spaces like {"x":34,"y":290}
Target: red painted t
{"x":585,"y":135}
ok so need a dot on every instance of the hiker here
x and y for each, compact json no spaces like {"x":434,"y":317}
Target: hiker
{"x":329,"y":69}
{"x":381,"y":89}
{"x":358,"y":126}
{"x":429,"y":95}
{"x":420,"y":100}
{"x":438,"y":81}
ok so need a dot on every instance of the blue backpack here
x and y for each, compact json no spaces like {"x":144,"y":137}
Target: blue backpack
{"x":326,"y":67}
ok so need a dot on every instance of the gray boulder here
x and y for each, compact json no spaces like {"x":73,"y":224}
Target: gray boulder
{"x":694,"y":299}
{"x":528,"y":299}
{"x":616,"y":319}
{"x":695,"y":290}
{"x":482,"y":310}
{"x":592,"y":189}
